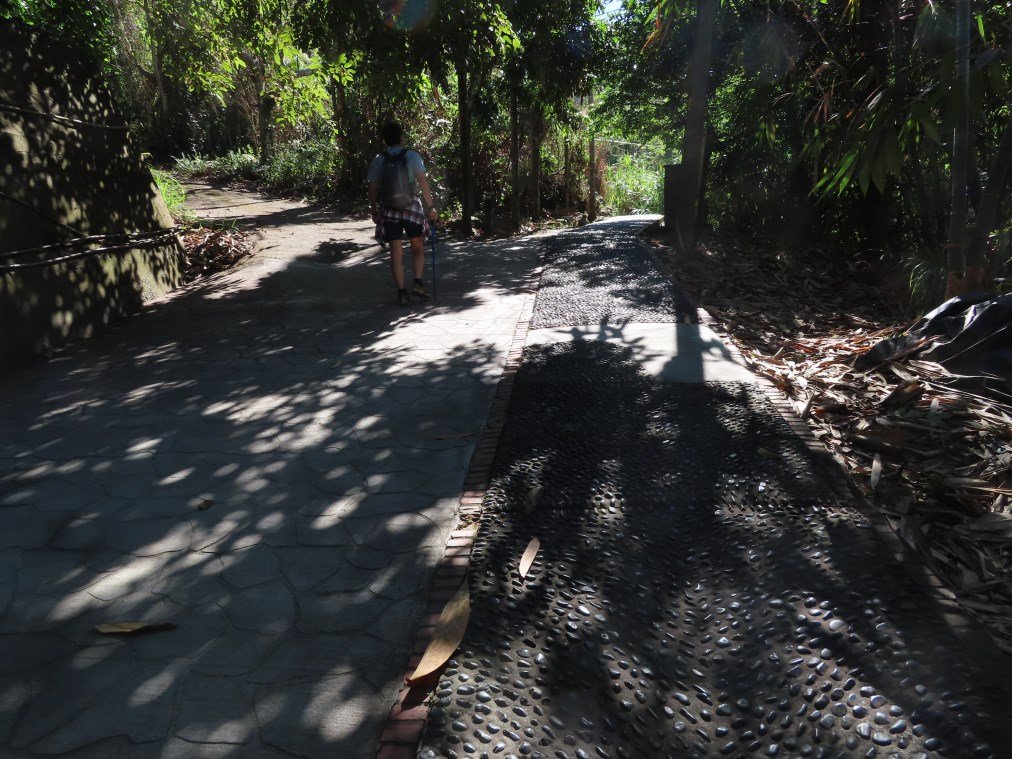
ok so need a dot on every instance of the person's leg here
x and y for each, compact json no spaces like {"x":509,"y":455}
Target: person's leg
{"x":394,"y":231}
{"x":397,"y":262}
{"x":418,"y":266}
{"x":418,"y":256}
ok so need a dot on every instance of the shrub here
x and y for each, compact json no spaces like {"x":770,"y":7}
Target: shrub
{"x":234,"y":165}
{"x":304,"y":166}
{"x":633,"y":184}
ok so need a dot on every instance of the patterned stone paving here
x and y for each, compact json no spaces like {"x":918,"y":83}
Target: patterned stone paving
{"x":271,"y":461}
{"x":691,"y":633}
{"x":588,"y":428}
{"x":700,"y":589}
{"x":603,"y":273}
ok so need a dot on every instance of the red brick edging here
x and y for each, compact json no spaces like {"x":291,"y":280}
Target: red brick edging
{"x":406,"y":722}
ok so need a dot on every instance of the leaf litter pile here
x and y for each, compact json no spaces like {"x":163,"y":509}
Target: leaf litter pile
{"x":937,"y":461}
{"x":209,"y":251}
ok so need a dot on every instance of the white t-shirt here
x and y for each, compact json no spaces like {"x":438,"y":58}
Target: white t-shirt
{"x":414,"y":161}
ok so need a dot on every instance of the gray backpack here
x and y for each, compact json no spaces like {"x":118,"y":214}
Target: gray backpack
{"x":398,"y":190}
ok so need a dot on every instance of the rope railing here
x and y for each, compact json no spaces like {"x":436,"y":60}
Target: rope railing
{"x":126,"y":243}
{"x":64,"y":120}
{"x":119,"y":242}
{"x":116,"y":238}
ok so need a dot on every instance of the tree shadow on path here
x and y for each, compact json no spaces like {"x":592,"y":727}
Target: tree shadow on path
{"x":271,"y":462}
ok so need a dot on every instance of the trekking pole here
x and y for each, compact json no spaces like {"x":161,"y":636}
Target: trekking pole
{"x":433,"y":262}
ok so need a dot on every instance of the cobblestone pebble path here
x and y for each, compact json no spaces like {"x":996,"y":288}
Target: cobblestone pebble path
{"x":701,"y":589}
{"x":271,"y":461}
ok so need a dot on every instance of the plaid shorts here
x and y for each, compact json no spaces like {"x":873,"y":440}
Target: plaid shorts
{"x":413,"y":214}
{"x":403,"y":222}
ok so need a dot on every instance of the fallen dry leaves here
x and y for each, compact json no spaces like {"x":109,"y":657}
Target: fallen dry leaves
{"x":209,"y":251}
{"x":936,"y":460}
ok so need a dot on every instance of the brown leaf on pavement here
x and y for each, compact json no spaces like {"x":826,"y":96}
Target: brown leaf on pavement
{"x":447,"y":636}
{"x":528,"y":558}
{"x":133,"y":628}
{"x":458,"y":436}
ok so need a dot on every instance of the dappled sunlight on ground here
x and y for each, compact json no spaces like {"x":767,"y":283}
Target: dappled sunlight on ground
{"x":270,"y":460}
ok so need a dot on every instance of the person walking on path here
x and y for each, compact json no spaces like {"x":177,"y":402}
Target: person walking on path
{"x":397,"y":184}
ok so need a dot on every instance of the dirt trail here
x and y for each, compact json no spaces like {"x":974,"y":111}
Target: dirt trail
{"x":297,"y":237}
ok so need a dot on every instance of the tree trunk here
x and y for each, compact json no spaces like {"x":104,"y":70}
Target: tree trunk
{"x":694,"y":145}
{"x":592,"y":173}
{"x":566,"y":196}
{"x":515,"y":157}
{"x":266,"y":116}
{"x":987,"y":211}
{"x":960,"y":153}
{"x":939,"y":191}
{"x":161,"y":96}
{"x":536,"y":125}
{"x":339,"y":107}
{"x":703,"y":212}
{"x":464,"y":106}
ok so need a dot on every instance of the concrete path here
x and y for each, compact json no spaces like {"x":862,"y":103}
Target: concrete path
{"x":701,"y":588}
{"x":270,"y":461}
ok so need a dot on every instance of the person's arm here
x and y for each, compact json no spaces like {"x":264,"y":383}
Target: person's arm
{"x":374,"y":200}
{"x":423,"y":186}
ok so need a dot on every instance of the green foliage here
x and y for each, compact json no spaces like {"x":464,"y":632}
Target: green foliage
{"x":928,"y":277}
{"x":633,"y":184}
{"x":831,"y":121}
{"x":241,"y":164}
{"x":306,"y":167}
{"x":173,"y":193}
{"x":83,"y":24}
{"x":638,"y":82}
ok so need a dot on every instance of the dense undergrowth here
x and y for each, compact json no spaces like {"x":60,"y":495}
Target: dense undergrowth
{"x":308,"y":168}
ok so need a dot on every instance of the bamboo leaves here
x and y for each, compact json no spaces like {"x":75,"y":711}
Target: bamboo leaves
{"x":937,"y":459}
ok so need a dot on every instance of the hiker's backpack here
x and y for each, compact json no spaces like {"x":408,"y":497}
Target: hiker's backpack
{"x":398,"y":189}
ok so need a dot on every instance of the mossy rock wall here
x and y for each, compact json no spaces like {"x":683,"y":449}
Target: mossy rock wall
{"x":80,"y":171}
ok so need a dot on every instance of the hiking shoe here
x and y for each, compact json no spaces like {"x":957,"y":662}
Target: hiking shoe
{"x":402,"y":297}
{"x":418,"y":290}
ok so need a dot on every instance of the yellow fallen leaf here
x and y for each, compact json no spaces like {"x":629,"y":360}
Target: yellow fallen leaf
{"x":528,"y":558}
{"x":447,"y":636}
{"x":131,"y":628}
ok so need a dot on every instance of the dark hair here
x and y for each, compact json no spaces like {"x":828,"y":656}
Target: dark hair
{"x":392,"y":133}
